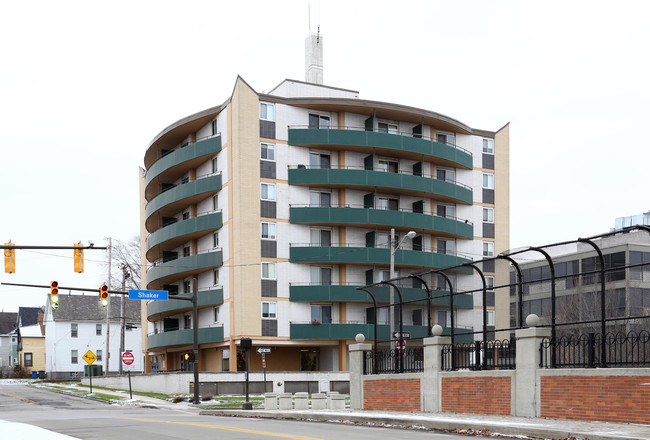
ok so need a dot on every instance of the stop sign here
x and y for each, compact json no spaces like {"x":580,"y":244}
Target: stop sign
{"x":127,"y":358}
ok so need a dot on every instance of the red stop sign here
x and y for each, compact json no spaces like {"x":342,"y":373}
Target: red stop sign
{"x":127,"y":358}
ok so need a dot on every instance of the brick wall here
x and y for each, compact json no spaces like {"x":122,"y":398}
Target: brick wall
{"x":481,"y":395}
{"x":608,"y":399}
{"x":392,"y":395}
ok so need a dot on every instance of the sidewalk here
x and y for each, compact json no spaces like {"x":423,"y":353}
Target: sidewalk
{"x":531,"y":427}
{"x":507,"y":425}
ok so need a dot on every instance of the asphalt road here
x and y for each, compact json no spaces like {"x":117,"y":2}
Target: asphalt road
{"x":87,"y":419}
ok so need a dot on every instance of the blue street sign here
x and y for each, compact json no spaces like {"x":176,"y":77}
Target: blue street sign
{"x":149,"y":294}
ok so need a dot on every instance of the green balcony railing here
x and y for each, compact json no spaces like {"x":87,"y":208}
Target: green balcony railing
{"x":183,"y":230}
{"x":184,"y":194}
{"x":179,"y":268}
{"x":357,"y":178}
{"x":364,"y":217}
{"x":206,"y":298}
{"x":384,"y":143}
{"x":350,"y":330}
{"x":184,"y":337}
{"x":350,"y":293}
{"x":355,"y":254}
{"x":197,"y":151}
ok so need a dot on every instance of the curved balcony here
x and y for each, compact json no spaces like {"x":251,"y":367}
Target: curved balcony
{"x":396,"y":145}
{"x":369,"y":218}
{"x":380,"y":181}
{"x":174,"y":235}
{"x":174,"y":200}
{"x":184,"y":337}
{"x":350,"y":330}
{"x":170,"y":271}
{"x":349,"y":293}
{"x":175,"y":164}
{"x":357,"y":254}
{"x":157,"y":310}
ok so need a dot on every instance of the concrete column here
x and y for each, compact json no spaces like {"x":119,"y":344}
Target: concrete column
{"x":301,"y":401}
{"x":318,"y":401}
{"x":270,"y":401}
{"x":431,"y":399}
{"x":527,"y":358}
{"x":356,"y":373}
{"x":285,"y":401}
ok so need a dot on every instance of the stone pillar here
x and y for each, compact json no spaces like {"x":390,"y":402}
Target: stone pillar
{"x":431,"y":401}
{"x":301,"y":401}
{"x":318,"y":401}
{"x":285,"y":401}
{"x":356,"y":372}
{"x":270,"y":401}
{"x":528,"y":342}
{"x":336,"y":401}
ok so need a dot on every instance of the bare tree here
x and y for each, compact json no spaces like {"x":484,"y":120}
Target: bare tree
{"x":126,"y":263}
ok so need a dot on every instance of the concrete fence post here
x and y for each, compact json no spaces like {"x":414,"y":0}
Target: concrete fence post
{"x":431,"y":399}
{"x":356,"y":373}
{"x":528,"y":342}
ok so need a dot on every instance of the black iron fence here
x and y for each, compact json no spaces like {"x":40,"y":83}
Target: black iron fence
{"x":479,"y":355}
{"x":586,"y":351}
{"x":396,"y":360}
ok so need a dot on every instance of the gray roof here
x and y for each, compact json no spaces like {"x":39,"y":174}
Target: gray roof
{"x":88,"y":308}
{"x":7,"y":322}
{"x":28,"y":315}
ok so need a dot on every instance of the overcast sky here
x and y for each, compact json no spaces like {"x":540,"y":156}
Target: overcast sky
{"x":85,"y":86}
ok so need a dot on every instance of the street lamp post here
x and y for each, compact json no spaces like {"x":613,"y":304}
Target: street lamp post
{"x":394,"y":245}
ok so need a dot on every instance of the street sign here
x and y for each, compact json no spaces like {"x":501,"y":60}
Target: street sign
{"x":401,"y":344}
{"x":263,"y":360}
{"x":261,"y":350}
{"x":162,"y":295}
{"x":89,"y":357}
{"x":403,"y":335}
{"x":127,"y":358}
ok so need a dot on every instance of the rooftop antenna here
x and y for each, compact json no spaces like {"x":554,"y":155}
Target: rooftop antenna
{"x":313,"y":54}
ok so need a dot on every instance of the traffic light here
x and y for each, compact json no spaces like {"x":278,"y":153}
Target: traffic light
{"x":78,"y":258}
{"x":188,"y":356}
{"x":10,"y":259}
{"x":54,"y":295}
{"x":103,"y":295}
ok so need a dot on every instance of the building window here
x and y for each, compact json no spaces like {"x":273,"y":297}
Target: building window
{"x":490,"y":318}
{"x":267,"y":111}
{"x":319,"y":161}
{"x":488,"y":215}
{"x":186,"y":251}
{"x":319,"y":121}
{"x":99,"y":355}
{"x":446,"y":247}
{"x":417,"y":317}
{"x":447,"y":139}
{"x":444,"y":318}
{"x":187,"y":321}
{"x":214,"y":165}
{"x":446,"y":175}
{"x":387,"y":204}
{"x":321,"y":314}
{"x":215,"y":277}
{"x":28,"y":359}
{"x":215,"y":202}
{"x":446,"y":211}
{"x":215,"y":312}
{"x":187,"y":288}
{"x":387,"y":166}
{"x":318,"y":199}
{"x":383,"y":240}
{"x":215,"y":239}
{"x":268,"y":231}
{"x":488,"y":146}
{"x":489,"y":282}
{"x":488,"y":180}
{"x":384,"y":127}
{"x":213,"y":124}
{"x":267,"y":151}
{"x":320,"y":276}
{"x":268,"y":191}
{"x":269,"y":310}
{"x":74,"y":357}
{"x":320,"y":237}
{"x":488,"y":249}
{"x":74,"y":330}
{"x":186,"y":215}
{"x":268,"y":270}
{"x":98,"y":329}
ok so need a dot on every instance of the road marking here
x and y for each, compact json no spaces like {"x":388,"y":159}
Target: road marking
{"x":228,"y":428}
{"x":19,"y":398}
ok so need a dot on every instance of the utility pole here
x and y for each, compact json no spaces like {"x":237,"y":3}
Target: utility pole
{"x":108,"y":309}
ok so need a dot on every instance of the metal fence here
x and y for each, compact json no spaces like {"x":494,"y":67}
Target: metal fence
{"x":387,"y":361}
{"x":586,"y":351}
{"x":479,"y":355}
